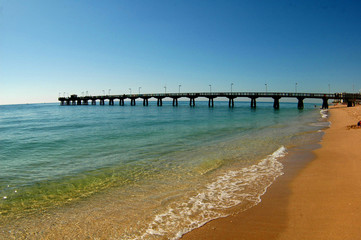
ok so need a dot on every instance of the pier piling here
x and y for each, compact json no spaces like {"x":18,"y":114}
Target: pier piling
{"x":145,"y":101}
{"x":300,"y":102}
{"x":231,"y":102}
{"x":210,"y":102}
{"x":276,"y":103}
{"x":324,"y":103}
{"x":160,"y":101}
{"x":175,"y":101}
{"x":253,"y":102}
{"x":192,"y":102}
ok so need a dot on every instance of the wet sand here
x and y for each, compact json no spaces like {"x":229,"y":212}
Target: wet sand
{"x":317,"y":199}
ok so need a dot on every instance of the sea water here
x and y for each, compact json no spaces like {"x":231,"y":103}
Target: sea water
{"x":134,"y":172}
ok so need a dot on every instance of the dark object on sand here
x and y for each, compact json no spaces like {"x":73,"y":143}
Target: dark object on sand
{"x":358,"y":126}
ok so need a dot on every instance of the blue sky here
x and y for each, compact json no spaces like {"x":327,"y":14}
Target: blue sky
{"x":73,"y":46}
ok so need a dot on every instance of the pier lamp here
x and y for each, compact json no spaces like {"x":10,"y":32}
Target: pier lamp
{"x":139,"y":89}
{"x":103,"y":92}
{"x":179,"y":86}
{"x":130,"y":90}
{"x":165,"y":89}
{"x":266,"y":87}
{"x":210,"y":88}
{"x":109,"y":91}
{"x":296,"y":87}
{"x":231,"y":87}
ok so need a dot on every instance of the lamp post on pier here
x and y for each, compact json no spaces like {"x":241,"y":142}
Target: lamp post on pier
{"x":139,"y":89}
{"x":130,"y":90}
{"x":210,"y":88}
{"x":296,"y":87}
{"x":231,"y":87}
{"x":179,"y":86}
{"x":266,"y":87}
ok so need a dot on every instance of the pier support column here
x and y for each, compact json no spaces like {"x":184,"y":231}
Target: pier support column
{"x":101,"y":101}
{"x":192,"y":102}
{"x":145,"y":101}
{"x":350,"y":103}
{"x":111,"y":102}
{"x":231,"y":102}
{"x":210,"y":102}
{"x":121,"y":102}
{"x":175,"y":101}
{"x":78,"y":102}
{"x":300,"y":102}
{"x":85,"y":102}
{"x":68,"y":102}
{"x":159,"y":102}
{"x":62,"y":102}
{"x":276,"y":103}
{"x":94,"y":102}
{"x":132,"y":102}
{"x":253,"y":102}
{"x":324,"y":103}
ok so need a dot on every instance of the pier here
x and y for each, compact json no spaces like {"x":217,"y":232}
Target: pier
{"x":349,"y":98}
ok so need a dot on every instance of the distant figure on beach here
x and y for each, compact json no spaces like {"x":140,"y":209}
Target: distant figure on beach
{"x":359,"y":124}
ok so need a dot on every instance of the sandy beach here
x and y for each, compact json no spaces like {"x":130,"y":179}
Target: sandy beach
{"x":317,"y":199}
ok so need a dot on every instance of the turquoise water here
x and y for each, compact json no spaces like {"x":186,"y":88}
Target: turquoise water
{"x":185,"y":165}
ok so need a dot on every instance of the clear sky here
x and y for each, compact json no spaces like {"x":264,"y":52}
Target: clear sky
{"x":73,"y":46}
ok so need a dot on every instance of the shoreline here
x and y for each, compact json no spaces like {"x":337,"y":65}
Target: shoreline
{"x":316,"y":199}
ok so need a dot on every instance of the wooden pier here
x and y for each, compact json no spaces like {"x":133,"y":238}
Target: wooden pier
{"x":349,"y":98}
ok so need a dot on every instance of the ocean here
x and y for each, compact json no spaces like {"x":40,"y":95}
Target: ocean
{"x":134,"y":172}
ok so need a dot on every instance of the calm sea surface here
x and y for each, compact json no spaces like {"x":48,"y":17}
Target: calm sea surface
{"x":147,"y":172}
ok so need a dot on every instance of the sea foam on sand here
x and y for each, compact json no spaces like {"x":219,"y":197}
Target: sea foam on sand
{"x":244,"y":186}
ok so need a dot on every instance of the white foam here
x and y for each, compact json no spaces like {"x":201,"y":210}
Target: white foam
{"x":246,"y":185}
{"x":321,"y":124}
{"x":324,"y":113}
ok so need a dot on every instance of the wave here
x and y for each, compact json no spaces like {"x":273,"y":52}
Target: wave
{"x":324,"y":113}
{"x":244,"y":186}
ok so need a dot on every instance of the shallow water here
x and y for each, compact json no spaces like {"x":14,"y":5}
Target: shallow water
{"x":147,"y":172}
